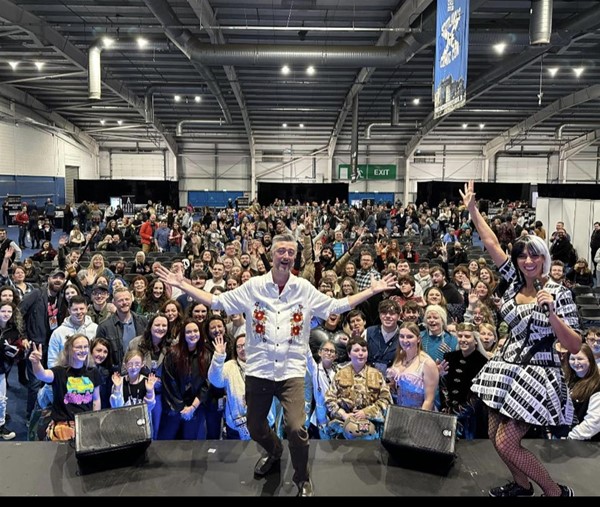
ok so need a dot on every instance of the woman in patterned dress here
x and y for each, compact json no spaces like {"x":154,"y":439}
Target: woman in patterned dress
{"x":523,"y":384}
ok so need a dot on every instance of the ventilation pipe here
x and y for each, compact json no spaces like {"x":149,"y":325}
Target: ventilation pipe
{"x":277,"y":54}
{"x":370,"y":126}
{"x":581,"y":126}
{"x":151,"y":90}
{"x":95,"y":60}
{"x":540,"y":23}
{"x":180,"y":124}
{"x":354,"y":141}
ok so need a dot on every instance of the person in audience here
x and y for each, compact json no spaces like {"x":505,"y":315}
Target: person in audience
{"x":557,"y":272}
{"x":583,"y":378}
{"x":41,"y":309}
{"x":78,"y":322}
{"x":423,"y":277}
{"x":134,"y":388}
{"x":592,"y":338}
{"x":12,"y":348}
{"x":157,"y":294}
{"x":415,"y":375}
{"x":76,"y":238}
{"x":100,"y":352}
{"x":358,"y":397}
{"x":581,"y":274}
{"x":382,"y":340}
{"x":507,"y":384}
{"x":154,"y":344}
{"x":463,"y":365}
{"x":321,"y":374}
{"x":185,"y":384}
{"x":139,"y":265}
{"x":434,"y":296}
{"x":122,"y":327}
{"x":231,"y":375}
{"x":75,"y":385}
{"x":489,"y":338}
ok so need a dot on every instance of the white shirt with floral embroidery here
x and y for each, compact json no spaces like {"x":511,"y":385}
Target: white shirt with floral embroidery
{"x":278,"y":325}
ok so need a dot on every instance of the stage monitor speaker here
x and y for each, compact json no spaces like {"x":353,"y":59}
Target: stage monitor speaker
{"x":420,"y":439}
{"x":114,"y":436}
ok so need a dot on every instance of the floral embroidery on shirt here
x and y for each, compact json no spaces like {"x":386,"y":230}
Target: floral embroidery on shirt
{"x":259,"y":320}
{"x":296,"y":322}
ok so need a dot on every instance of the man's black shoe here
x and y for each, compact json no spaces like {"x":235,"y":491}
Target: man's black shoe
{"x":265,"y":465}
{"x":306,"y":488}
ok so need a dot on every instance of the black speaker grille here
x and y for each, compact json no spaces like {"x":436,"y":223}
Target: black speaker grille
{"x":111,"y":429}
{"x":420,"y":430}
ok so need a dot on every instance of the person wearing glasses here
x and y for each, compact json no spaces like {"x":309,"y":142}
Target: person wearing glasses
{"x":592,"y":338}
{"x":321,"y":374}
{"x":134,"y":388}
{"x":524,"y":385}
{"x":279,"y":307}
{"x":75,"y":385}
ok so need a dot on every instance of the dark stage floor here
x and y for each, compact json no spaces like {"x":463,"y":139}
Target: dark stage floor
{"x":224,"y":468}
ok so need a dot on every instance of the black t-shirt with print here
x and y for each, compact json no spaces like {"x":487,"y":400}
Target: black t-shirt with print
{"x":73,"y":391}
{"x":134,"y":394}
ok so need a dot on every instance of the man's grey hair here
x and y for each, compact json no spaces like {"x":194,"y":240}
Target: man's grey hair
{"x":283,"y":238}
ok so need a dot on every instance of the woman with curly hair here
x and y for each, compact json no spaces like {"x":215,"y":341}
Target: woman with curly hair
{"x":157,"y":294}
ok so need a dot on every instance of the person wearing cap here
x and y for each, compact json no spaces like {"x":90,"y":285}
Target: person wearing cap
{"x":100,"y":309}
{"x":40,"y":309}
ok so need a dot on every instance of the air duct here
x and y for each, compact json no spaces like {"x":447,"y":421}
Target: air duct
{"x":354,"y":141}
{"x":540,"y":23}
{"x":269,"y":54}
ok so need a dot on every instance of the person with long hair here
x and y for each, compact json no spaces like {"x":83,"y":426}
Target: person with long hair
{"x":12,"y":346}
{"x":154,"y":344}
{"x":134,"y":388}
{"x":415,"y":374}
{"x":156,"y":296}
{"x":172,"y":310}
{"x":584,"y":382}
{"x":75,"y":385}
{"x":185,"y":384}
{"x":524,"y":385}
{"x":100,"y":352}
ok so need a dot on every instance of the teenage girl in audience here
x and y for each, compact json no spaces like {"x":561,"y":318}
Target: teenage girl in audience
{"x":583,"y":378}
{"x":75,"y":385}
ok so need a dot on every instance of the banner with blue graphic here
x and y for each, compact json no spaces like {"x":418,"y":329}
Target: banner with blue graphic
{"x":451,"y":55}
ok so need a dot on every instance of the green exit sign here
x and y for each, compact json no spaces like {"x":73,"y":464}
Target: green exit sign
{"x":369,"y":172}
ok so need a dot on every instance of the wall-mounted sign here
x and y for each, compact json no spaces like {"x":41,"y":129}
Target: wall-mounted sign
{"x":369,"y":172}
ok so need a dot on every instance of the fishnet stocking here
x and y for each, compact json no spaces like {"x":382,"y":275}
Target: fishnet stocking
{"x":506,"y":435}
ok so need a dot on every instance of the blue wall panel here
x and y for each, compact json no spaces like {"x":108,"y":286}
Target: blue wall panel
{"x":33,"y":187}
{"x":213,"y":199}
{"x":378,"y":198}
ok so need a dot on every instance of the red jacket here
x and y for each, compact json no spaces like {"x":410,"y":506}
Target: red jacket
{"x":147,"y":233}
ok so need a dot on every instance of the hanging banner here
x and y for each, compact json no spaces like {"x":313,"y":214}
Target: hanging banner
{"x":451,"y":55}
{"x":369,"y":171}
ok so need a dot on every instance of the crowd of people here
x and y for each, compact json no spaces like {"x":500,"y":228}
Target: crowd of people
{"x":306,"y":320}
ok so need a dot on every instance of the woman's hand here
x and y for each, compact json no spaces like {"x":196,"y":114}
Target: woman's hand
{"x":545,"y":298}
{"x":35,"y":356}
{"x":468,"y":196}
{"x":219,"y":344}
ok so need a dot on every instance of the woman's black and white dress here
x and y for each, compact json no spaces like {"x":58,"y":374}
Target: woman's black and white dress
{"x":531,"y":390}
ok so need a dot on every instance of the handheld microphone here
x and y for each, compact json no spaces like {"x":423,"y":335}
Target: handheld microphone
{"x":538,"y":287}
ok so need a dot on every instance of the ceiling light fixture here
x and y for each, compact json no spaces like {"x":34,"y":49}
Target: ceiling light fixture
{"x":301,"y":125}
{"x":310,"y":70}
{"x":284,"y":125}
{"x":552,"y":71}
{"x":120,"y":122}
{"x":285,"y":70}
{"x":108,"y":42}
{"x":177,"y":98}
{"x":416,"y":101}
{"x":578,"y":71}
{"x":481,"y":126}
{"x":13,"y":65}
{"x":197,"y":99}
{"x":39,"y":65}
{"x":465,"y":125}
{"x":142,"y":43}
{"x":500,"y":47}
{"x":102,"y":122}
